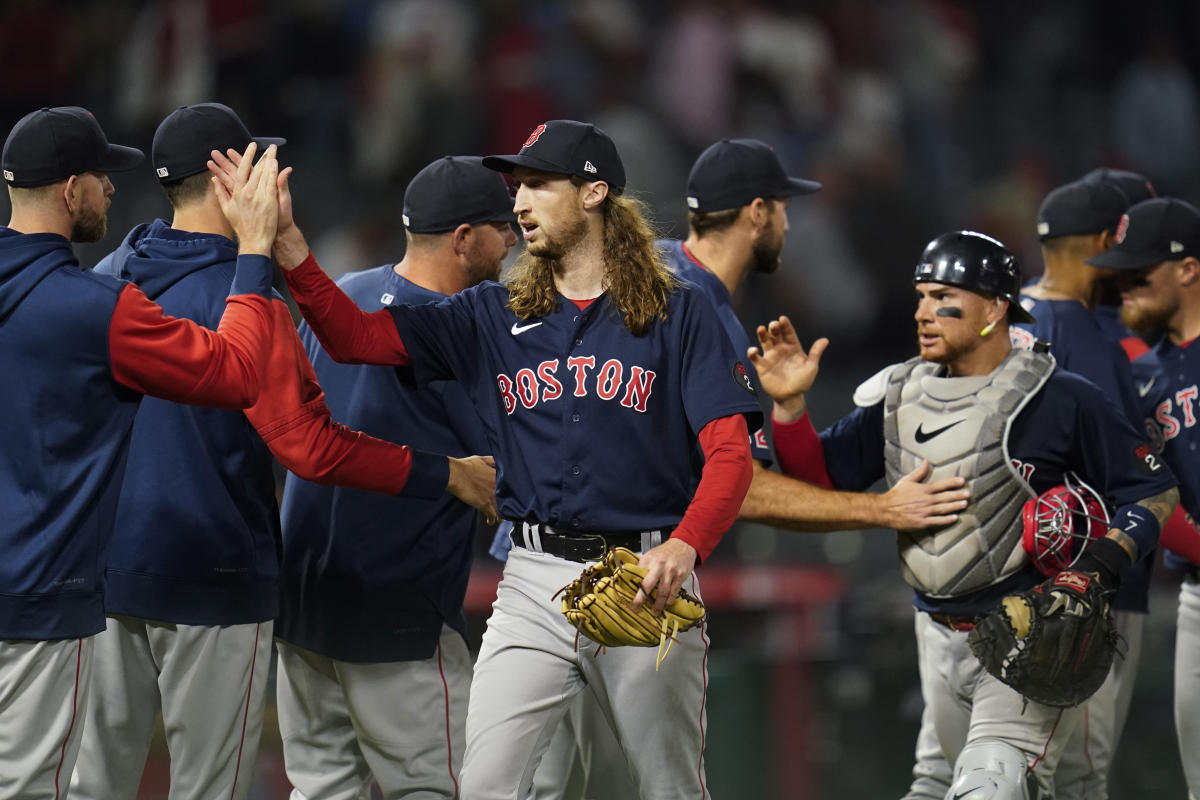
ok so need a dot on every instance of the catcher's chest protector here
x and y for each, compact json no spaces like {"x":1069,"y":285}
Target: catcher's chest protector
{"x":961,"y":425}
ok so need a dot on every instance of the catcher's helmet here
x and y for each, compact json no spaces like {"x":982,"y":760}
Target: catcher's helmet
{"x":976,"y":262}
{"x":1060,"y":521}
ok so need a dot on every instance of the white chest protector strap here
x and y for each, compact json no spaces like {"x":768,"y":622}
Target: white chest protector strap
{"x":961,"y":425}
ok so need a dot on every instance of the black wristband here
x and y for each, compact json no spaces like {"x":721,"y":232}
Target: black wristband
{"x":1107,"y":559}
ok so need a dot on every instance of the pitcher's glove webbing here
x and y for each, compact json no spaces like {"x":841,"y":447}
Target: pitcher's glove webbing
{"x":599,"y":603}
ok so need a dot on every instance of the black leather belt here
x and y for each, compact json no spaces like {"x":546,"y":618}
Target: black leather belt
{"x":582,"y":547}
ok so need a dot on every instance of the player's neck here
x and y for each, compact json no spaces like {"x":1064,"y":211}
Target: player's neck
{"x":203,"y":216}
{"x":26,"y":220}
{"x":1184,"y":326}
{"x":436,"y":271}
{"x":1065,"y":281}
{"x":727,"y":262}
{"x":579,"y":274}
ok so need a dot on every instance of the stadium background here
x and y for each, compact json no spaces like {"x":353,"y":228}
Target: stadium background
{"x":919,"y":116}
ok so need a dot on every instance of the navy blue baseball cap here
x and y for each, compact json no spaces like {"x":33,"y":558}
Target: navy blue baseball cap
{"x":1079,"y":208}
{"x":453,"y":191}
{"x":52,"y":144}
{"x":185,"y":138}
{"x":1137,"y":187}
{"x":732,"y":172}
{"x":567,"y":147}
{"x":1151,"y":232}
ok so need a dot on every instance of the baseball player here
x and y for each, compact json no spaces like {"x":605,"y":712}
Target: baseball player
{"x":1157,"y":258}
{"x":374,"y":672}
{"x":617,"y":413}
{"x":737,"y":198}
{"x":84,"y":349}
{"x":190,"y":615}
{"x":958,"y":405}
{"x":1075,"y":222}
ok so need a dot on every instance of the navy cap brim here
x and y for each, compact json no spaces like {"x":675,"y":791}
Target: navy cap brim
{"x":120,"y":158}
{"x":266,"y":141}
{"x":1115,"y":258}
{"x":800,"y":186}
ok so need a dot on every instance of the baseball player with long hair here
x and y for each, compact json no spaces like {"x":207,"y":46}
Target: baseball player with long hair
{"x":85,"y":349}
{"x":374,"y":671}
{"x":1016,"y":427}
{"x":617,"y":413}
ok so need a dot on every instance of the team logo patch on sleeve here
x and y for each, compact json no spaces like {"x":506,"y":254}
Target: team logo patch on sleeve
{"x":742,"y":376}
{"x":1147,"y":460}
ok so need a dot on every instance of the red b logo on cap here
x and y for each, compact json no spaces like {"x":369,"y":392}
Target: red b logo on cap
{"x":1122,"y":226}
{"x":533,"y":137}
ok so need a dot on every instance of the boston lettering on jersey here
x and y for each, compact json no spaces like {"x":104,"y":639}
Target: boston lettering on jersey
{"x":529,"y":387}
{"x":1183,"y":403}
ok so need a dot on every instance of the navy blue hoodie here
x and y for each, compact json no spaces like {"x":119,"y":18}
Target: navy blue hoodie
{"x":197,"y":526}
{"x":64,"y":427}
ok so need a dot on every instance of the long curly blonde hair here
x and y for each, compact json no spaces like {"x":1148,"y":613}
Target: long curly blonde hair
{"x":636,"y":280}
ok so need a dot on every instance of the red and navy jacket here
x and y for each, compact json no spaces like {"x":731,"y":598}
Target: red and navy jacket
{"x":369,"y":578}
{"x":79,"y":350}
{"x":197,"y":538}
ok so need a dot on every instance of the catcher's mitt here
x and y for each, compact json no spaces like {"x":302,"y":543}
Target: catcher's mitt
{"x":599,"y":603}
{"x":1053,"y":643}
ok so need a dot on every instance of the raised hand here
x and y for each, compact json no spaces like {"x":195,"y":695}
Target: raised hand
{"x":290,"y":246}
{"x":785,"y":370}
{"x":249,"y":200}
{"x":473,"y":480}
{"x":912,"y":505}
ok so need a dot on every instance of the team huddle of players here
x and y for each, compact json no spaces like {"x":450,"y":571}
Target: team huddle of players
{"x":603,"y":394}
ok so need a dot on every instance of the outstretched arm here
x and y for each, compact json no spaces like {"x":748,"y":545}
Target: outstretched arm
{"x":784,"y":502}
{"x":347,"y":333}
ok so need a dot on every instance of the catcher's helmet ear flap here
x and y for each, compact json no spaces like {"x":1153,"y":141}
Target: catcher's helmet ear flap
{"x":976,"y":262}
{"x":1058,"y":522}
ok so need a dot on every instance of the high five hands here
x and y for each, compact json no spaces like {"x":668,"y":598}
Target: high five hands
{"x":785,"y":370}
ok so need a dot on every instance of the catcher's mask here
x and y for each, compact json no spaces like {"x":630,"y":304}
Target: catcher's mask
{"x":1059,"y":521}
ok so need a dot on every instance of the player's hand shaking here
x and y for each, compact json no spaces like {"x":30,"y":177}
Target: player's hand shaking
{"x":785,"y":370}
{"x":473,"y":480}
{"x":667,"y":567}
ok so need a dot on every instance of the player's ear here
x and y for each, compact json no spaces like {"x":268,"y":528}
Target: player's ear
{"x":1188,"y":272}
{"x":70,"y":188}
{"x":594,"y":193}
{"x":460,"y":239}
{"x":760,"y":213}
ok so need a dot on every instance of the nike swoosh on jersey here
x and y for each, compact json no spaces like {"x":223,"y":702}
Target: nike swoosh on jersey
{"x":518,"y":329}
{"x":1144,"y":388}
{"x":923,"y":436}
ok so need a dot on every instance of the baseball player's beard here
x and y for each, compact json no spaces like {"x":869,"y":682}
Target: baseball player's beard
{"x":90,"y":226}
{"x":1145,"y":320}
{"x":767,"y":250}
{"x":554,"y":248}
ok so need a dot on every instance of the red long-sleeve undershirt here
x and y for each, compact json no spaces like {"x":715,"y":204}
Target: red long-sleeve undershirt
{"x":177,"y":360}
{"x":349,"y":334}
{"x":294,"y":421}
{"x":799,"y":452}
{"x":724,"y":482}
